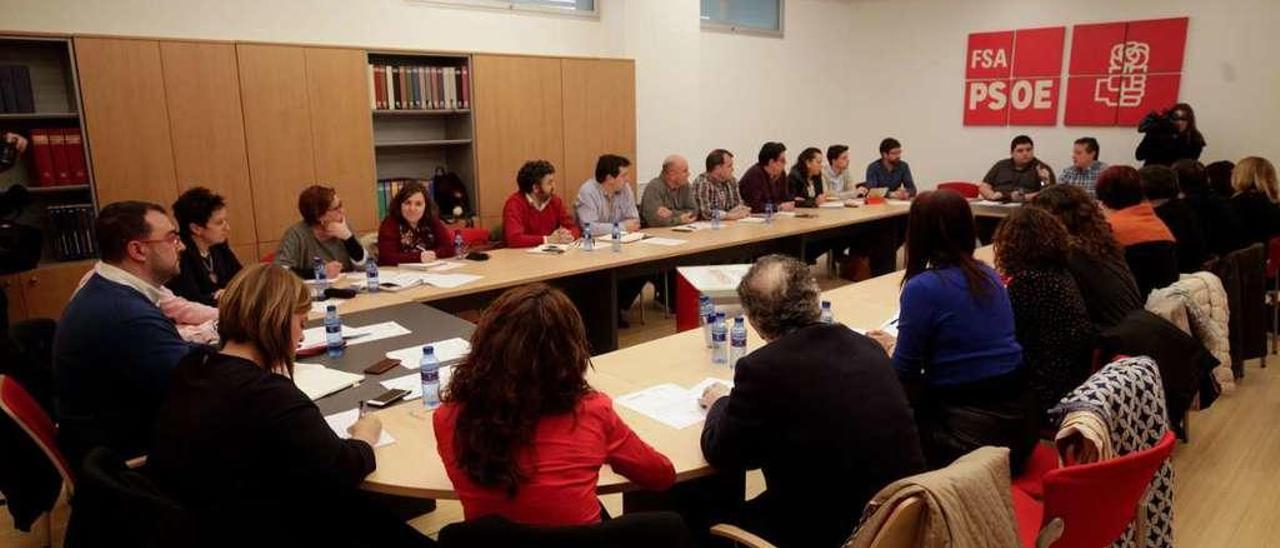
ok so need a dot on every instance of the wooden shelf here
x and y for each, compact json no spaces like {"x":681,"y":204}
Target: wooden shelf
{"x":39,"y":116}
{"x":414,"y":113}
{"x":52,"y":189}
{"x":431,"y":143}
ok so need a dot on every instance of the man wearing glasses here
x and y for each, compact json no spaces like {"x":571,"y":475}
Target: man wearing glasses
{"x":114,"y":349}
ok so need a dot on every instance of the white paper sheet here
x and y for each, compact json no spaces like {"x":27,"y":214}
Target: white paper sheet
{"x":318,"y":381}
{"x":413,"y":383}
{"x":752,"y":220}
{"x":448,"y":281}
{"x":993,"y":203}
{"x":831,"y":205}
{"x":785,"y":214}
{"x":663,"y":241}
{"x":671,"y":404}
{"x":314,"y":336}
{"x":319,"y":307}
{"x":448,"y":351}
{"x":890,"y":326}
{"x":340,"y":422}
{"x":694,"y":227}
{"x":434,"y":266}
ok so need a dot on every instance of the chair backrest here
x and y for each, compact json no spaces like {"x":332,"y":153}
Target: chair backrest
{"x":1154,"y":265}
{"x":966,"y":189}
{"x":902,"y":528}
{"x":119,"y":506}
{"x":1273,"y":257}
{"x":1097,"y":501}
{"x":643,"y":529}
{"x":20,"y":407}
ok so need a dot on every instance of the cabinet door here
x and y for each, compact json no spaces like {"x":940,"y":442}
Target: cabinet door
{"x":126,"y":120}
{"x":11,"y":285}
{"x":46,"y":290}
{"x":599,"y":115}
{"x":518,"y":117}
{"x":342,"y":129}
{"x":277,"y":129}
{"x":202,"y":87}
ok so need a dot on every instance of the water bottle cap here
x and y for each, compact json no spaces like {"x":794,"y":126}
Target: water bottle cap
{"x":826,"y":304}
{"x":331,"y":308}
{"x":720,"y":315}
{"x":737,"y":319}
{"x":428,"y":349}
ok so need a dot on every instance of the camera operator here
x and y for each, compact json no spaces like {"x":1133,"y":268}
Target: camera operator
{"x":1171,"y":135}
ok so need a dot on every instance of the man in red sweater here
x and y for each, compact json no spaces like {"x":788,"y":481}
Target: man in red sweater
{"x":535,"y":212}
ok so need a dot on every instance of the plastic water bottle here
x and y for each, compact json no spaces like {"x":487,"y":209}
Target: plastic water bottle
{"x":429,"y":371}
{"x":459,"y":248}
{"x":715,"y":219}
{"x":737,"y":341}
{"x":588,"y":240}
{"x":827,"y":317}
{"x":332,"y":331}
{"x":768,"y":213}
{"x":371,"y":275}
{"x":719,"y":342}
{"x":617,"y":237}
{"x":707,"y":315}
{"x":322,"y":281}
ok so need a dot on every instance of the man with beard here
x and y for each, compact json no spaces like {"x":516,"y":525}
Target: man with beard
{"x":890,"y":172}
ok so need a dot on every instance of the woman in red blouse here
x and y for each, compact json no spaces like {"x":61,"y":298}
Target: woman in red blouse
{"x":412,"y":231}
{"x":521,"y":433}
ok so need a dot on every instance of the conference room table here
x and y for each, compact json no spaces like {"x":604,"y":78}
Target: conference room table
{"x":590,"y":279}
{"x":412,"y":467}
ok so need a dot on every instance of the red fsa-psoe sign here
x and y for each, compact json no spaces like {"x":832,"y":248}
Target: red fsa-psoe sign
{"x":1012,"y":77}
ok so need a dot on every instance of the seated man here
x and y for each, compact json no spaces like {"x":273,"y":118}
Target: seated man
{"x":603,"y":201}
{"x":114,"y":348}
{"x":818,"y":408}
{"x":717,"y":190}
{"x":837,"y":178}
{"x":668,"y":199}
{"x":890,"y":172}
{"x":534,"y":212}
{"x":766,"y":182}
{"x":1085,"y":167}
{"x":1019,"y":177}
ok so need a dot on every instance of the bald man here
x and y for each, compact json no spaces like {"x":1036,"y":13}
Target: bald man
{"x":668,"y":199}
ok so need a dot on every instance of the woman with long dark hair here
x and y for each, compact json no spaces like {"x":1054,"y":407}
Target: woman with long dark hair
{"x":1170,"y":136}
{"x":1094,"y":257}
{"x":806,"y":178}
{"x":521,"y":433}
{"x":956,"y":350}
{"x":1052,"y":322}
{"x":412,"y":231}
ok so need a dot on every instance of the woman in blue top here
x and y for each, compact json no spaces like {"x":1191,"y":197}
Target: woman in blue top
{"x":956,"y":351}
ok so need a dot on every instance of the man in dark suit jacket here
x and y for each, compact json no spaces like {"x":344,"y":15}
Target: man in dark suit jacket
{"x":818,"y":408}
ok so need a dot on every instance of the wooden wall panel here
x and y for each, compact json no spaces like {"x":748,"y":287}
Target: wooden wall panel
{"x":12,"y":287}
{"x":342,"y":129}
{"x":518,"y":117}
{"x":47,"y":290}
{"x":277,"y":127}
{"x":202,"y":85}
{"x":122,"y":86}
{"x":599,"y":114}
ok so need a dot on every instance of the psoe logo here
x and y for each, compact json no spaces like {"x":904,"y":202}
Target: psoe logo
{"x":1126,"y":81}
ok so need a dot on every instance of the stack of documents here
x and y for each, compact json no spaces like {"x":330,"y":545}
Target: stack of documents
{"x":670,"y":404}
{"x":318,"y":381}
{"x":340,"y":422}
{"x":448,"y":352}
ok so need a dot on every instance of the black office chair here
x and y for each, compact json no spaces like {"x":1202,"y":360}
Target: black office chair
{"x":118,"y":506}
{"x":1154,"y":265}
{"x":639,"y":530}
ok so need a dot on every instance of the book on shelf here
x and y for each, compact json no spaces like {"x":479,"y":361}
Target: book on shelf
{"x":59,"y":157}
{"x":75,"y":156}
{"x":43,"y":164}
{"x":73,"y":231}
{"x":414,"y":87}
{"x":15,"y":90}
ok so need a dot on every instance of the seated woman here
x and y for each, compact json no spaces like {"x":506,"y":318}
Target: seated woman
{"x":1052,"y":322}
{"x":323,"y":233}
{"x":412,"y":231}
{"x":1255,"y":199}
{"x":956,"y":351}
{"x":1149,"y":245}
{"x":207,"y":263}
{"x":534,"y":214}
{"x":521,"y":433}
{"x":246,"y":453}
{"x":1162,"y":188}
{"x":1095,"y":259}
{"x":805,"y":178}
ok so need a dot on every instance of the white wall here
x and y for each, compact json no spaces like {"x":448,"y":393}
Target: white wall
{"x":850,"y":71}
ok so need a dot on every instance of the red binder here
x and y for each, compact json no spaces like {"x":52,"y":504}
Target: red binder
{"x":75,"y":156}
{"x":43,"y":157}
{"x":58,"y":146}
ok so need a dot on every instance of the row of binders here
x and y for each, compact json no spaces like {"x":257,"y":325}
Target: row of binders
{"x":397,"y":87}
{"x":59,"y":157}
{"x":73,"y":231}
{"x":15,"y":90}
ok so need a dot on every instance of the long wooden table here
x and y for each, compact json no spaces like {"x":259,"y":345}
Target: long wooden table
{"x":412,"y":466}
{"x":591,"y":278}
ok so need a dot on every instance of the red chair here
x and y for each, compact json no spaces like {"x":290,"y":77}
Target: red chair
{"x":968,"y":190}
{"x":24,"y":411}
{"x":1089,"y":505}
{"x":1273,"y":295}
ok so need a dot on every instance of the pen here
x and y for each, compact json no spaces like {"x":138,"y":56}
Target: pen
{"x":363,"y":408}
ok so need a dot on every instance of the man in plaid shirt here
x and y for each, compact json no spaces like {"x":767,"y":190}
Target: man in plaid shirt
{"x":1085,"y":167}
{"x":716,"y":189}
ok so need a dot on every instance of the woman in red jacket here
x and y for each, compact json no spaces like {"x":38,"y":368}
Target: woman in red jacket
{"x":412,"y":231}
{"x":521,"y":433}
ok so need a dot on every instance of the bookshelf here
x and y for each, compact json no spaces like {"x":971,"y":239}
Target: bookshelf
{"x":429,"y":130}
{"x":55,"y":168}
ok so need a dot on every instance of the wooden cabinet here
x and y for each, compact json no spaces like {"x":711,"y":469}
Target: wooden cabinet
{"x":599,"y":115}
{"x":277,"y":126}
{"x":122,"y":84}
{"x":11,"y":285}
{"x":202,"y":89}
{"x":46,"y":290}
{"x":518,"y":117}
{"x":342,"y":130}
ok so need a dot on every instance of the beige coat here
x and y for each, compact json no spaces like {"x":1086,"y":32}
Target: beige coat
{"x":1201,"y":297}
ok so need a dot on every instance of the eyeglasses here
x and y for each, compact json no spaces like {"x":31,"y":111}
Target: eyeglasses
{"x":335,"y":207}
{"x":172,"y":238}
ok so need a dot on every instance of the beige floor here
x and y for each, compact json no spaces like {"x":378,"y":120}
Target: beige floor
{"x":1227,"y":491}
